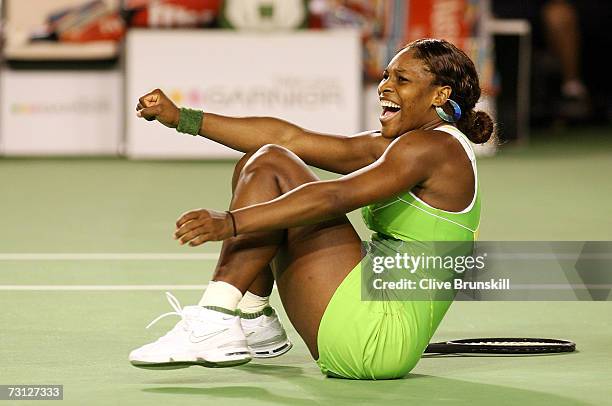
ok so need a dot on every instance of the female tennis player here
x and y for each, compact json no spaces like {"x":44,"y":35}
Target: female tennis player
{"x":415,"y":180}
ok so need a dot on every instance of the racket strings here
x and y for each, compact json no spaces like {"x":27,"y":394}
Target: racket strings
{"x":514,"y":343}
{"x":498,"y":345}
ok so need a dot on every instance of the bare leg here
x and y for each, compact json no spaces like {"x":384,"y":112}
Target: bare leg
{"x":563,"y":37}
{"x":263,"y":284}
{"x":314,"y":259}
{"x":561,"y":24}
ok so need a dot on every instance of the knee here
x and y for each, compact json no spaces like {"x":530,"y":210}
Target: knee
{"x":269,"y":157}
{"x":272,"y":160}
{"x":273,"y":152}
{"x":266,"y":155}
{"x":239,"y":166}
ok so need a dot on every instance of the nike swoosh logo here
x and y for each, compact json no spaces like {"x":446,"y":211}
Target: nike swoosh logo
{"x":198,"y":339}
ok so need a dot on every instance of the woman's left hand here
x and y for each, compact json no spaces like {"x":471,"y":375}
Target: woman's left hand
{"x":201,"y":225}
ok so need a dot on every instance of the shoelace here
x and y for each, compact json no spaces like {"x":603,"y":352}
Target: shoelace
{"x":176,"y":305}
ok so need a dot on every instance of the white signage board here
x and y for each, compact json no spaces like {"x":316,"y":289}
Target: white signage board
{"x":60,"y":112}
{"x":371,"y":107}
{"x":312,"y":79}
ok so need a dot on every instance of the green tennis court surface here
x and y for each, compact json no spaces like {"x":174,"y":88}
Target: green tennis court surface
{"x":86,"y":252}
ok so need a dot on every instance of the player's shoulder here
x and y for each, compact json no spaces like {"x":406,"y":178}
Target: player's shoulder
{"x":428,"y":139}
{"x":430,"y":145}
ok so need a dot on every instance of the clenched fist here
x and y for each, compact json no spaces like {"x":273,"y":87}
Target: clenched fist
{"x":201,"y":225}
{"x":157,"y":106}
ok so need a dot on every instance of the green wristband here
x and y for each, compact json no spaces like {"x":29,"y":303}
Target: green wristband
{"x":190,"y":121}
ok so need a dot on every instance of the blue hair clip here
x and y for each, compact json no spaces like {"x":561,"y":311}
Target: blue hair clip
{"x":447,"y":117}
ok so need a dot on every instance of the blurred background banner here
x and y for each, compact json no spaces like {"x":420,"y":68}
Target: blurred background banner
{"x":61,"y":112}
{"x":297,"y":76}
{"x":315,"y":62}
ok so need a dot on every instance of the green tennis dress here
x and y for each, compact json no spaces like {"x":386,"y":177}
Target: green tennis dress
{"x":384,"y":339}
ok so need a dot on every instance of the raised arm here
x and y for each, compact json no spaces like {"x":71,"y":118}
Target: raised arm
{"x":336,"y":153}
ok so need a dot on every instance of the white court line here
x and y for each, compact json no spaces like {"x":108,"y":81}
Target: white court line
{"x":514,"y":287}
{"x":106,"y":257}
{"x":150,"y":256}
{"x":101,"y":287}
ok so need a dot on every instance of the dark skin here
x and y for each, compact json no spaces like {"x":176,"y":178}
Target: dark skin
{"x":291,"y":227}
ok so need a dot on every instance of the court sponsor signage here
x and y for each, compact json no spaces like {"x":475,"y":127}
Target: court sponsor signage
{"x":312,"y":79}
{"x":60,"y":112}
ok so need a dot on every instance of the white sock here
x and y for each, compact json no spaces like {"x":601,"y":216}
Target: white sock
{"x":221,"y":294}
{"x":252,"y":303}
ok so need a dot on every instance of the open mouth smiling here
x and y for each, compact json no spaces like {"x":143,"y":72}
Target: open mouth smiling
{"x":389,"y":110}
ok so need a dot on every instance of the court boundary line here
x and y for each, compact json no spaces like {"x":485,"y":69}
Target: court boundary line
{"x":212,"y":256}
{"x":77,"y":288}
{"x":519,"y":287}
{"x":143,"y":256}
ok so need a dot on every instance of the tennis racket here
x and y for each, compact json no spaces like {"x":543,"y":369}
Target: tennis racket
{"x":501,"y":346}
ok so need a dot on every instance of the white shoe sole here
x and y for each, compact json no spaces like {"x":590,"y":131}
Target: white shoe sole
{"x":271,"y":351}
{"x":186,"y":364}
{"x":235,"y":359}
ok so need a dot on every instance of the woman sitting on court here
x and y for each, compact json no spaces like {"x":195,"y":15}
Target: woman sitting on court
{"x":415,"y":180}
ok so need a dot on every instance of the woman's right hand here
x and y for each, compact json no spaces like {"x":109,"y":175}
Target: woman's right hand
{"x":157,"y":106}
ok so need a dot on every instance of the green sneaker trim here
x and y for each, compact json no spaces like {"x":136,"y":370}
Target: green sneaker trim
{"x":267,"y":311}
{"x":222,"y":310}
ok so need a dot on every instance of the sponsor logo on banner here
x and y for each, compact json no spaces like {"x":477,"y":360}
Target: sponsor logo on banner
{"x":95,"y":107}
{"x":60,"y":112}
{"x":300,"y":77}
{"x":281,"y":92}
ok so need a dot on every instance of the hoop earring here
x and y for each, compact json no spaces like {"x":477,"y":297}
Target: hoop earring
{"x":447,"y":117}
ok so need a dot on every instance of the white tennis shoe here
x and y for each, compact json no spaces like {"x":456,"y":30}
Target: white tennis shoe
{"x":203,"y":337}
{"x":265,"y":335}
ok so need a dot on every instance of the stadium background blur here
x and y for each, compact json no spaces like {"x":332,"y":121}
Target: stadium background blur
{"x":85,"y":47}
{"x":90,"y":193}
